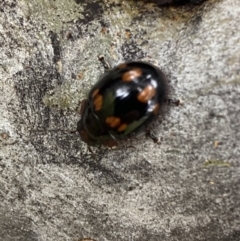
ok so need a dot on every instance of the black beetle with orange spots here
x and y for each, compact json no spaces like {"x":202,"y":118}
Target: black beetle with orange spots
{"x":122,"y":103}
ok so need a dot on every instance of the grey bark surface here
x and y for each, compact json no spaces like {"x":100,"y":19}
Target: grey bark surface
{"x":185,"y":188}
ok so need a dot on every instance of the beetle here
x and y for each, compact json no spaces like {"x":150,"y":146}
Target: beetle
{"x":122,"y":104}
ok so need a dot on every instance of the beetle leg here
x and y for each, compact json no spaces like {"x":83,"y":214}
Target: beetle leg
{"x":153,"y":136}
{"x":105,"y":64}
{"x":176,"y":102}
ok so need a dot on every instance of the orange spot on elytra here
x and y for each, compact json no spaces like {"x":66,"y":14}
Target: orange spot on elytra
{"x":122,"y":127}
{"x":131,"y":74}
{"x":146,"y":94}
{"x":98,"y":100}
{"x":95,"y":92}
{"x":113,"y":121}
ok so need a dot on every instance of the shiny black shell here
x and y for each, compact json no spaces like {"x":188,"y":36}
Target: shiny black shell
{"x":122,"y":103}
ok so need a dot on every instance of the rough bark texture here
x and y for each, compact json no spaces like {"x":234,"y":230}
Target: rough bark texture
{"x":53,"y":188}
